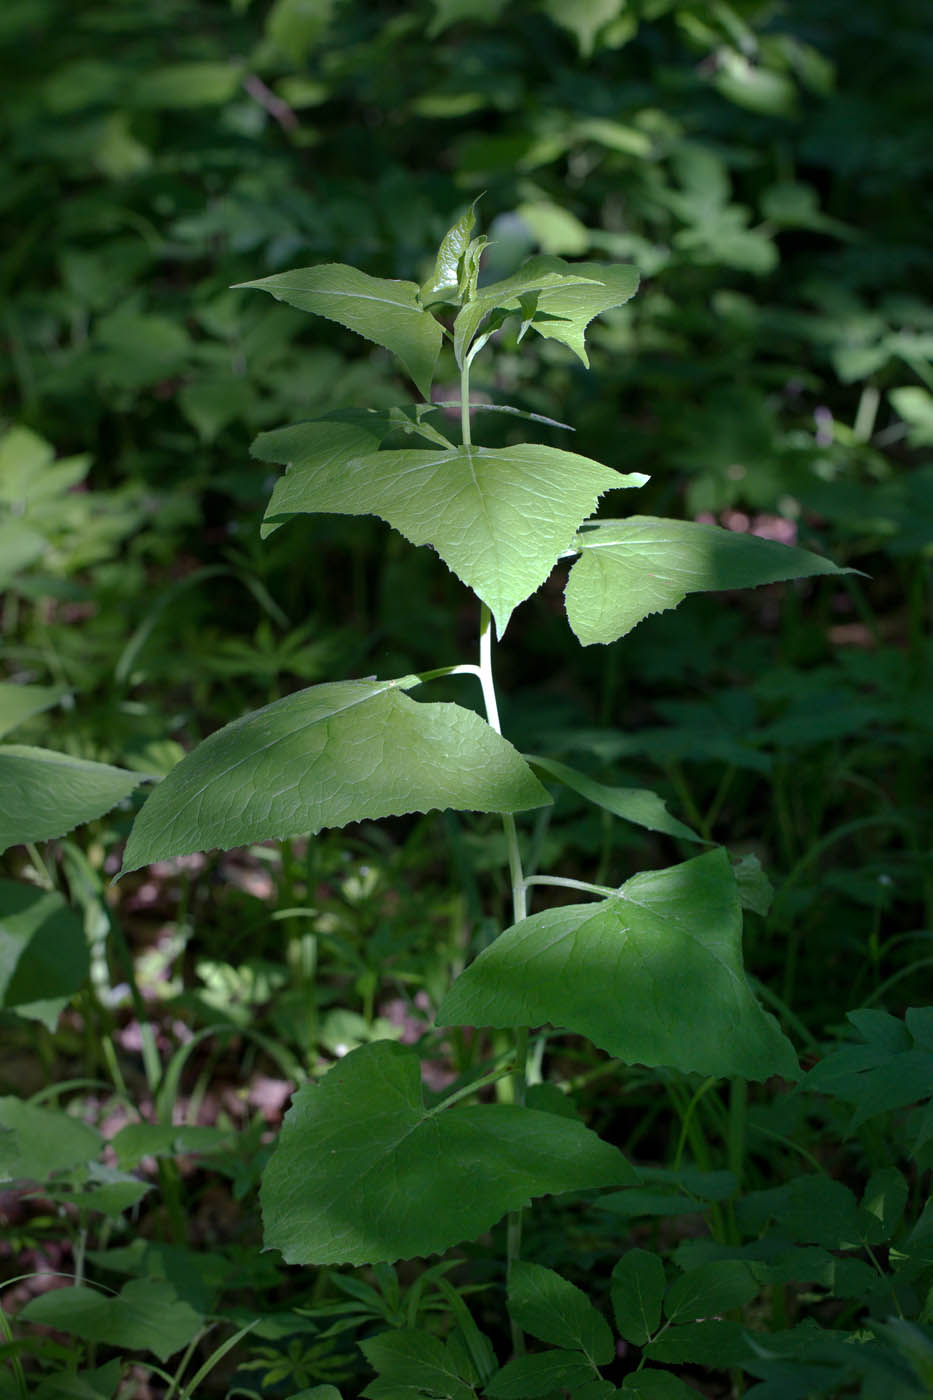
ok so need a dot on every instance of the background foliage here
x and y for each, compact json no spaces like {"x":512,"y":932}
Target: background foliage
{"x":768,"y":169}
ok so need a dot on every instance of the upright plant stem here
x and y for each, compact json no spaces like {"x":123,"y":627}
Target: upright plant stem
{"x":516,"y":873}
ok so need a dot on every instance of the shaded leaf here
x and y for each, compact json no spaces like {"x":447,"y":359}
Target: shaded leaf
{"x":649,"y":1384}
{"x":636,"y":1289}
{"x":711,"y":1343}
{"x":146,"y":1315}
{"x":413,"y":1358}
{"x":638,"y":805}
{"x":46,"y":1141}
{"x":542,"y":1374}
{"x":498,"y":517}
{"x":565,"y":310}
{"x":43,"y":951}
{"x":20,"y":702}
{"x":384,"y":311}
{"x":555,"y":1311}
{"x":47,"y":794}
{"x":710,"y":1289}
{"x":326,"y":756}
{"x":653,"y":975}
{"x":363,"y":1172}
{"x":631,"y":568}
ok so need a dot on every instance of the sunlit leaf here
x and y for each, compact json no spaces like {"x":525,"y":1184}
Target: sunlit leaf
{"x":383,"y":311}
{"x":326,"y":756}
{"x":565,"y":310}
{"x":653,"y":975}
{"x":631,"y":568}
{"x":530,"y":277}
{"x":363,"y":1172}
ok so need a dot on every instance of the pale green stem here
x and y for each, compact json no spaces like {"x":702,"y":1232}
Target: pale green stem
{"x":564,"y":882}
{"x":465,"y":403}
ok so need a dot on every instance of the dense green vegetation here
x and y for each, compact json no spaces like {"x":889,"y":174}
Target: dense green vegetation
{"x":768,"y":172}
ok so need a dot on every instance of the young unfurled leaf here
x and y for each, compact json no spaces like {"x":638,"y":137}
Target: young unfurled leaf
{"x":498,"y":517}
{"x":326,"y":756}
{"x":384,"y":311}
{"x":363,"y":1172}
{"x":653,"y":975}
{"x":631,"y":568}
{"x":444,"y":284}
{"x":46,"y":794}
{"x":558,"y":1312}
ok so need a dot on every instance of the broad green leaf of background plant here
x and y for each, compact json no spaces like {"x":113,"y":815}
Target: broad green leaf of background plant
{"x":631,"y":568}
{"x":146,"y":1315}
{"x":556,"y":1311}
{"x":651,"y":1384}
{"x":448,"y":12}
{"x":19,"y":547}
{"x":508,"y":295}
{"x":45,"y":1141}
{"x":584,"y":18}
{"x":637,"y":1290}
{"x":638,"y":805}
{"x":384,"y":311}
{"x":20,"y":702}
{"x":498,"y":517}
{"x":326,"y":756}
{"x":96,"y":1383}
{"x":543,"y":1374}
{"x":574,"y":304}
{"x":417,"y":1362}
{"x":653,"y":975}
{"x":363,"y":1172}
{"x":43,"y":952}
{"x":46,"y":794}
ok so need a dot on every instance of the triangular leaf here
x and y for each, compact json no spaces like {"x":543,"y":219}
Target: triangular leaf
{"x":147,"y":1315}
{"x":653,"y":975}
{"x":508,"y":295}
{"x":363,"y":1172}
{"x":384,"y":311}
{"x":20,"y":702}
{"x":638,"y":805}
{"x":631,"y":568}
{"x":556,"y":1311}
{"x":326,"y":756}
{"x":47,"y":794}
{"x":43,"y":951}
{"x":565,"y":310}
{"x":498,"y":517}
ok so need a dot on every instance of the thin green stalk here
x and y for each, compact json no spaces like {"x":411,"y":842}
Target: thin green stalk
{"x":564,"y":882}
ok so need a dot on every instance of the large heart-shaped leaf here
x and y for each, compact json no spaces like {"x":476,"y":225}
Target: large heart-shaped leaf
{"x":566,"y":309}
{"x":326,"y":756}
{"x":43,"y":951}
{"x":363,"y":1172}
{"x":499,"y":517}
{"x":630,"y":568}
{"x":653,"y":975}
{"x":46,"y":794}
{"x":384,"y":311}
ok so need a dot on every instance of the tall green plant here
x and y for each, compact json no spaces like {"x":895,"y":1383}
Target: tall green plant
{"x":652,"y":971}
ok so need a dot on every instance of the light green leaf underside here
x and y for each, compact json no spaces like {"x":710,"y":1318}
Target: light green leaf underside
{"x":363,"y":1173}
{"x":384,"y":311}
{"x":43,"y":951}
{"x":498,"y":517}
{"x":631,"y":568}
{"x":20,"y":702}
{"x":607,"y":285}
{"x":326,"y":756}
{"x":638,"y":805}
{"x":653,"y":975}
{"x":507,"y":294}
{"x":47,"y":794}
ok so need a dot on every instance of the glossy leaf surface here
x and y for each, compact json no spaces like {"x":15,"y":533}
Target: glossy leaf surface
{"x":498,"y":517}
{"x":326,"y":756}
{"x":631,"y":568}
{"x":653,"y":975}
{"x":46,"y":794}
{"x":363,"y":1172}
{"x":382,"y":310}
